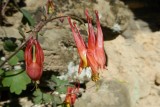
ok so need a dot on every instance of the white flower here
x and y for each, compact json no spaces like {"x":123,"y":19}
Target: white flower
{"x":116,"y":27}
{"x":17,"y":67}
{"x":88,"y":72}
{"x":3,"y":58}
{"x":63,"y":77}
{"x":72,"y":73}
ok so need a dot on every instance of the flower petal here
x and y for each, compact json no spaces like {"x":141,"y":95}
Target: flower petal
{"x":91,"y":35}
{"x":34,"y":68}
{"x":28,"y":50}
{"x":92,"y":61}
{"x":100,"y":54}
{"x":81,"y":47}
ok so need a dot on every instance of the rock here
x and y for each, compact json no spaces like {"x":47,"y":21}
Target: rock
{"x":108,"y":94}
{"x":157,"y":78}
{"x":58,"y":46}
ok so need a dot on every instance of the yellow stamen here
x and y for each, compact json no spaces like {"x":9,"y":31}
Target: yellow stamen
{"x":85,"y":64}
{"x":95,"y":77}
{"x":34,"y":53}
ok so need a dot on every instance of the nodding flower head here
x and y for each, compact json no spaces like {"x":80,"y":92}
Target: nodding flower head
{"x":82,"y":50}
{"x":93,"y":54}
{"x":34,"y":59}
{"x":71,"y":95}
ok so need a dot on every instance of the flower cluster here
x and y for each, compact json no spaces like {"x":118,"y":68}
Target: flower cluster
{"x":91,"y":54}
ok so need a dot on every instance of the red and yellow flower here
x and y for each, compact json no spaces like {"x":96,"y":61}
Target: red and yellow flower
{"x":71,"y":96}
{"x":92,"y":54}
{"x":34,"y":58}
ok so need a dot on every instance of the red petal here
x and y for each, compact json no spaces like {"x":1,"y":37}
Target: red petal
{"x":34,"y":71}
{"x":39,"y":53}
{"x":79,"y":43}
{"x":28,"y":50}
{"x":99,"y":41}
{"x":100,"y":54}
{"x":91,"y":37}
{"x":92,"y":61}
{"x":71,"y":95}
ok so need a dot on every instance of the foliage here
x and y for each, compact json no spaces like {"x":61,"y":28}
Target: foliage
{"x":13,"y":75}
{"x":17,"y":80}
{"x":27,"y":17}
{"x":56,"y":85}
{"x":9,"y":45}
{"x":40,"y":97}
{"x":1,"y":72}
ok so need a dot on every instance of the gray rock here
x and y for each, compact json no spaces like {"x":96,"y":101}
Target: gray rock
{"x":108,"y":94}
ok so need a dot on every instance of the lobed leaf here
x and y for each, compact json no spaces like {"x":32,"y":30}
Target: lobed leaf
{"x":1,"y":71}
{"x":13,"y":61}
{"x":16,"y":81}
{"x":20,"y":55}
{"x":40,"y":97}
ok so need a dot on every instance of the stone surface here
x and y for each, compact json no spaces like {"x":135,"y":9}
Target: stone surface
{"x":106,"y":94}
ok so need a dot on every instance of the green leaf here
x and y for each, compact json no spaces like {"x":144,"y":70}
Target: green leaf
{"x":28,"y":17}
{"x":47,"y":98}
{"x":16,"y":80}
{"x":13,"y":60}
{"x":1,"y":71}
{"x":58,"y":81}
{"x":57,"y":99}
{"x":40,"y":97}
{"x":61,"y":85}
{"x":20,"y":55}
{"x":54,"y":79}
{"x":9,"y":45}
{"x":61,"y":89}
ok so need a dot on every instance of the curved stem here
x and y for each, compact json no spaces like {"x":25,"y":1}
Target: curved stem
{"x":38,"y":27}
{"x":34,"y":32}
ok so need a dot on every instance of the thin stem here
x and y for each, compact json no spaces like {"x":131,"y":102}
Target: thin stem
{"x":34,"y":32}
{"x":19,"y":48}
{"x":3,"y":8}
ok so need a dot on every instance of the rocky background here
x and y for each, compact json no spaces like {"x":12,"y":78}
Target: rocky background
{"x":131,"y":34}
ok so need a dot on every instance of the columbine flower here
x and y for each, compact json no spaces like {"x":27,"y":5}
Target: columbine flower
{"x":93,"y":54}
{"x":34,"y":59}
{"x":71,"y":96}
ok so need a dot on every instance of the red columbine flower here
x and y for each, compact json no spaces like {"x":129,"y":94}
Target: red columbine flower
{"x":34,"y":59}
{"x":93,"y":55}
{"x":71,"y":95}
{"x":82,"y":50}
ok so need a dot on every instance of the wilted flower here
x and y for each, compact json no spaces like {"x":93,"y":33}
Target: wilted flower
{"x":93,"y":54}
{"x":34,"y":59}
{"x":50,"y":7}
